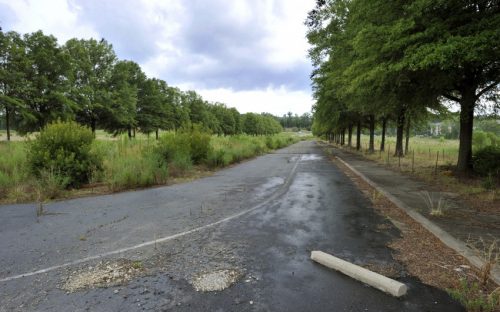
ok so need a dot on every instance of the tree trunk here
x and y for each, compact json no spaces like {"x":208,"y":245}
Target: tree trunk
{"x":7,"y":122}
{"x":129,"y":132}
{"x":371,"y":147}
{"x":407,"y":135}
{"x":133,"y":133}
{"x":349,"y":135}
{"x":399,"y":133}
{"x":342,"y":138}
{"x":384,"y":126}
{"x":358,"y":136}
{"x":93,"y":125}
{"x":156,"y":133}
{"x":467,"y":104}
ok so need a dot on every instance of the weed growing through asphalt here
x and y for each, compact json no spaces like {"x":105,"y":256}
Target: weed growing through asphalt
{"x":436,"y":209}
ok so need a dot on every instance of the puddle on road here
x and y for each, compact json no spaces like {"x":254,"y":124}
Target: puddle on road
{"x":311,"y":157}
{"x":271,"y":183}
{"x":216,"y":280}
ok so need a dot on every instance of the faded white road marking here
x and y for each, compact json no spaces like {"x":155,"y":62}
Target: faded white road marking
{"x":162,"y":239}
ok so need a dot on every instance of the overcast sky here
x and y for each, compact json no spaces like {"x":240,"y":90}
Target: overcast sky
{"x":249,"y":54}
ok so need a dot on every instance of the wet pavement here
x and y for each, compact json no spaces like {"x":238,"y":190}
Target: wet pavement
{"x":274,"y":209}
{"x":479,"y":230}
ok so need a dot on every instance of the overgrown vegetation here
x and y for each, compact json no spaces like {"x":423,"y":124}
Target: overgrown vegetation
{"x":487,"y":161}
{"x":470,"y":295}
{"x":124,"y":163}
{"x":62,"y":150}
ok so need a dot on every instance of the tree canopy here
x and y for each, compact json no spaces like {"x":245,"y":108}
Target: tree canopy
{"x":83,"y":80}
{"x":394,"y":60}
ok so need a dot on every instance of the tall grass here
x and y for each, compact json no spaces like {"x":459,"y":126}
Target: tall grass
{"x":129,"y":164}
{"x":432,"y":159}
{"x":233,"y":149}
{"x":136,"y":163}
{"x":14,"y":172}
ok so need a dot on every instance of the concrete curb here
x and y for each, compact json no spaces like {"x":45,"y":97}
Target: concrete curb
{"x":446,"y":238}
{"x":361,"y":274}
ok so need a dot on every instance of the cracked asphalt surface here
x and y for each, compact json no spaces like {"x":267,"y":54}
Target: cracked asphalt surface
{"x":291,"y":202}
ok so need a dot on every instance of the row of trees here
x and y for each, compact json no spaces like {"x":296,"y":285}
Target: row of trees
{"x":290,"y":120}
{"x":83,"y":80}
{"x":394,"y":61}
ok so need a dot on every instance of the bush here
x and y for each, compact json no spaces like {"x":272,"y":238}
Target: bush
{"x":185,"y":147}
{"x":200,"y":145}
{"x":64,"y":149}
{"x":480,"y":139}
{"x":172,"y":145}
{"x":486,"y":161}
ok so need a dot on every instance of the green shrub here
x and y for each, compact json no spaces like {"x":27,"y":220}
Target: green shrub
{"x":481,"y":139}
{"x":200,"y":145}
{"x":192,"y":144}
{"x":63,"y":148}
{"x":173,"y":145}
{"x":486,"y":161}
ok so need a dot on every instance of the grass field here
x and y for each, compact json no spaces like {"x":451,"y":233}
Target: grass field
{"x":127,"y":164}
{"x":433,"y":160}
{"x":422,"y":152}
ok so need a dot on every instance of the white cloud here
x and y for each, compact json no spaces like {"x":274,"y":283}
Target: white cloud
{"x":249,"y":54}
{"x":277,"y":101}
{"x":56,"y":17}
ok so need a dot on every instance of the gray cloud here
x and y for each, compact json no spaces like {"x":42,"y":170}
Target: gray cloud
{"x":121,"y":24}
{"x":212,"y":47}
{"x":236,"y":49}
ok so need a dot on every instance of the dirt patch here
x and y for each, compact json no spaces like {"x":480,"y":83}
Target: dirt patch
{"x":216,"y":280}
{"x":104,"y":274}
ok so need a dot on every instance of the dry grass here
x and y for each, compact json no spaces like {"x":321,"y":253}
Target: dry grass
{"x":424,"y":154}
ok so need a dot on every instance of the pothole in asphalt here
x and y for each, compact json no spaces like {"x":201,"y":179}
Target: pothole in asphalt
{"x":104,"y":274}
{"x":216,"y":280}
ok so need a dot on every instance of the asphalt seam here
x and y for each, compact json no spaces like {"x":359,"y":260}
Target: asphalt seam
{"x":160,"y":240}
{"x":450,"y":241}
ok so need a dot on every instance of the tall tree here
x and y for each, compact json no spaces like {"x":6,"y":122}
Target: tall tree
{"x":155,"y":110}
{"x":120,"y":112}
{"x":457,"y":40}
{"x":13,"y":83}
{"x":47,"y":74}
{"x":92,"y":64}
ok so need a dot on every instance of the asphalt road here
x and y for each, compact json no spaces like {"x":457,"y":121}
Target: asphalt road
{"x":260,"y":218}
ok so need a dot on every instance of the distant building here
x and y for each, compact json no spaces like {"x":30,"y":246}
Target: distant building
{"x":436,"y":128}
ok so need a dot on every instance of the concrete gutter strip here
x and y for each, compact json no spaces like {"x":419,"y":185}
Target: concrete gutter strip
{"x":446,"y":238}
{"x":373,"y":279}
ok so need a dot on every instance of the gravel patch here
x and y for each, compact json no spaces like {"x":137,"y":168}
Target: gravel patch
{"x":104,"y":274}
{"x":216,"y":280}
